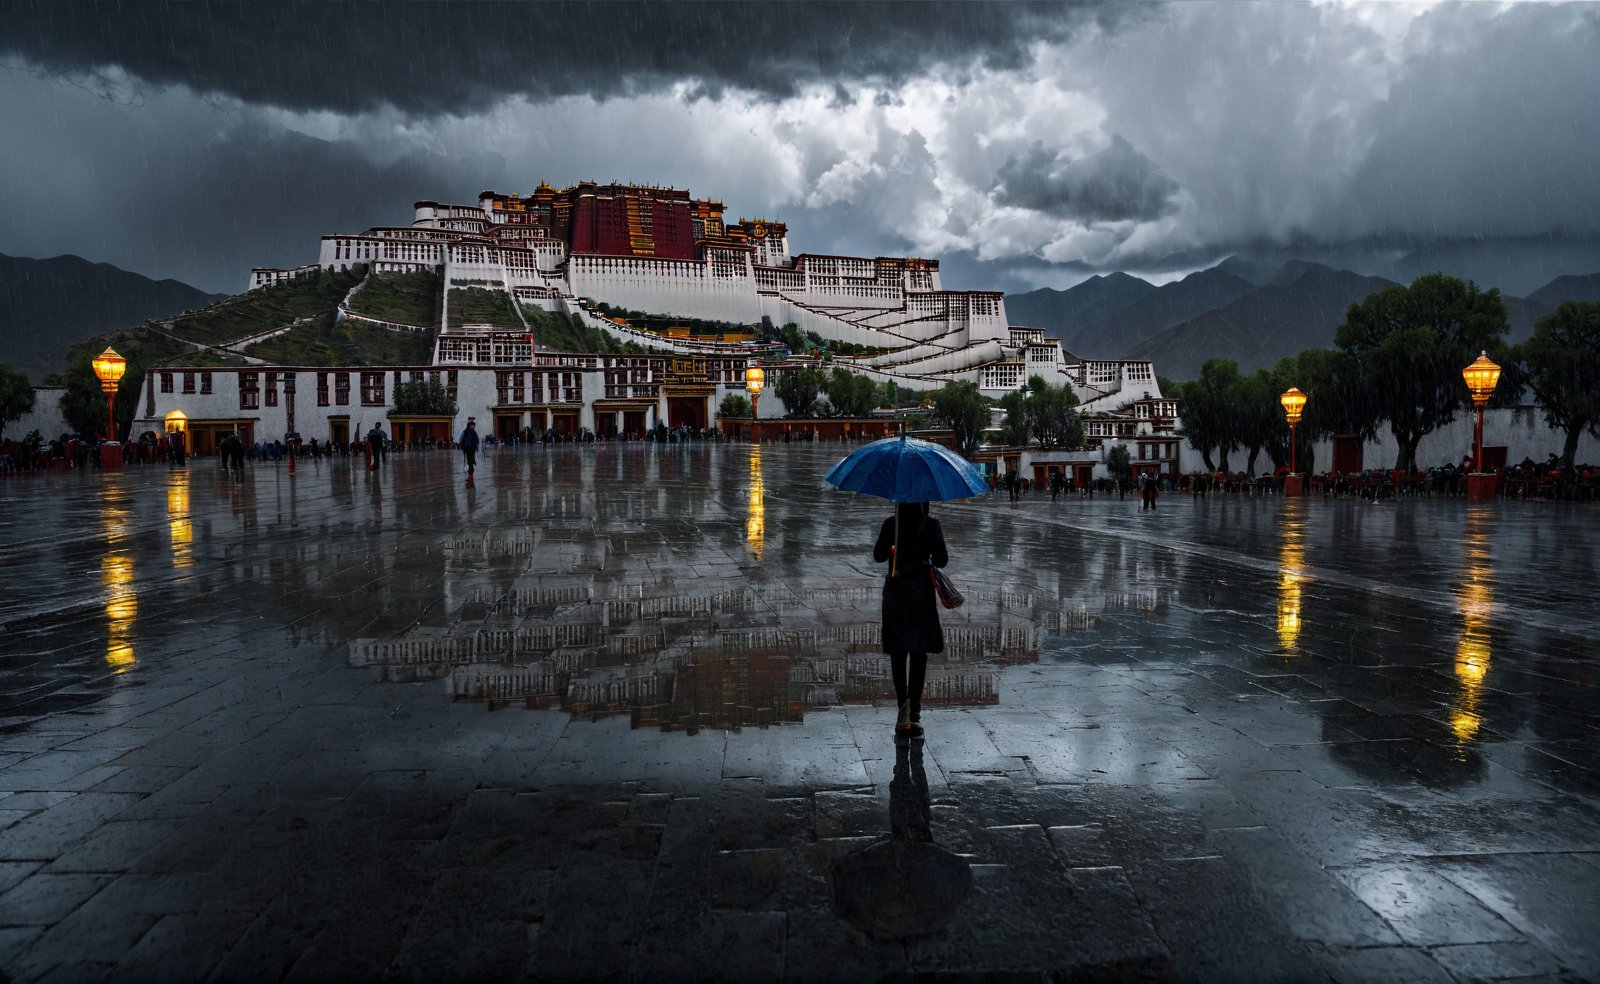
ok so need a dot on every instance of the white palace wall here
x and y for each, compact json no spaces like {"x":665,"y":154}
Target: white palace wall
{"x":1521,"y":431}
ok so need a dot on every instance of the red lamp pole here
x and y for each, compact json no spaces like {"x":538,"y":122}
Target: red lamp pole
{"x":1477,"y":443}
{"x":1292,"y":469}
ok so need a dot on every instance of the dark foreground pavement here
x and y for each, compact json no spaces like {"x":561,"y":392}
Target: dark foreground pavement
{"x":617,"y":713}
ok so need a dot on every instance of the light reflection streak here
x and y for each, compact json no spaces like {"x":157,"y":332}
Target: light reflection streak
{"x":1475,"y":598}
{"x":755,"y":526}
{"x":121,"y":599}
{"x":1291,"y":572}
{"x":181,"y":526}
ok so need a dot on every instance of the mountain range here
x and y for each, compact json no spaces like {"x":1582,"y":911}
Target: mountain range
{"x":47,"y":306}
{"x":1238,"y":309}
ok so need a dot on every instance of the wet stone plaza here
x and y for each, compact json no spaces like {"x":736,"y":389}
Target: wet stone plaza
{"x":614,"y":712}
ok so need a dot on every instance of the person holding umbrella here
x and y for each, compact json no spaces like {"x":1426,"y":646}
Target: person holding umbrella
{"x":910,"y":473}
{"x":914,"y":542}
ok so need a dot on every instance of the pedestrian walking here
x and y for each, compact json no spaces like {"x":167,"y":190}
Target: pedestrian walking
{"x":913,"y":542}
{"x":469,"y":444}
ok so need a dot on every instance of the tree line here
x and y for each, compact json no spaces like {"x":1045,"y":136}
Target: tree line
{"x":1397,"y":363}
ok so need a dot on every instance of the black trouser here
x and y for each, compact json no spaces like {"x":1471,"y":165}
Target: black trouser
{"x":908,"y":693}
{"x":471,"y":454}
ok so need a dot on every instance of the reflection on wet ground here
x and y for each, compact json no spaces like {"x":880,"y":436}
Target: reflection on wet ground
{"x":1269,"y":739}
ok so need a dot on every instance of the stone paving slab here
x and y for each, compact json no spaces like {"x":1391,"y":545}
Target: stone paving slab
{"x":608,"y":714}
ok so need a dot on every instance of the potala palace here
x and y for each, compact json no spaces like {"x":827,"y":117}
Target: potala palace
{"x":661,"y":252}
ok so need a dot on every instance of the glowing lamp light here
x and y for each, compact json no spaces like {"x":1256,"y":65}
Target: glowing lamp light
{"x":108,"y":368}
{"x":755,"y":380}
{"x":1294,"y":402}
{"x":1482,"y":377}
{"x":177,"y":422}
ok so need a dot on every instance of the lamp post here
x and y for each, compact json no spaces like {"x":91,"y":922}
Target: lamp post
{"x":754,"y":381}
{"x":1294,"y":403}
{"x":1481,"y":377}
{"x":108,"y":368}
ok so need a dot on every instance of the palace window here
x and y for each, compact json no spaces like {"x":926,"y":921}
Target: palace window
{"x":249,"y":390}
{"x":341,"y":389}
{"x":450,"y":385}
{"x":322,"y":389}
{"x":205,"y":382}
{"x":372,"y":389}
{"x":166,"y":382}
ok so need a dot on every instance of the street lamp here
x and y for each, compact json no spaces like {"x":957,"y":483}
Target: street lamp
{"x":108,"y":368}
{"x":1482,"y":377}
{"x":1294,"y":403}
{"x":754,"y":382}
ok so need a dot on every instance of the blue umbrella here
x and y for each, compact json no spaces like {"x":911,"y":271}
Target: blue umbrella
{"x":904,"y":469}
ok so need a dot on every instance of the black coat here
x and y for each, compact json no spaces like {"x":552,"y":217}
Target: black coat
{"x":910,"y":607}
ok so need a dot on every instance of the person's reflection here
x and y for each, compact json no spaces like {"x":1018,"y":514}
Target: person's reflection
{"x":910,"y":813}
{"x":906,"y":885}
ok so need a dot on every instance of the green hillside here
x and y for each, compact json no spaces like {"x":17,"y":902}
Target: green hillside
{"x":555,"y":332}
{"x":266,"y":308}
{"x":479,"y":306}
{"x":321,"y":342}
{"x":405,"y":299}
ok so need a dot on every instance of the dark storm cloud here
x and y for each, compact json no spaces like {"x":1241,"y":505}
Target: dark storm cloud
{"x":1113,"y":185}
{"x":429,"y":58}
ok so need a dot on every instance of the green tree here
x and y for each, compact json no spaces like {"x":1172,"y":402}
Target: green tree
{"x":1017,"y":427}
{"x":960,"y":407}
{"x":891,"y":393}
{"x":1209,"y":418}
{"x":1119,"y":462}
{"x":1411,"y":343}
{"x":1258,"y":418}
{"x":83,"y":404}
{"x":16,"y":396}
{"x":1562,"y":362}
{"x":851,"y":394}
{"x":1053,"y":414}
{"x":1331,"y":382}
{"x":798,"y":389}
{"x":734,"y":405}
{"x":422,"y":398}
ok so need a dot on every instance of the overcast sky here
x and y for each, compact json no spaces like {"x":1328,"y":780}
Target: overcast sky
{"x":1023,"y":145}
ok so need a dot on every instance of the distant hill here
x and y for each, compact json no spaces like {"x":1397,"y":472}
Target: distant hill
{"x":1166,"y":306}
{"x":1299,"y":308}
{"x":47,"y":306}
{"x":1568,"y":288}
{"x":1063,"y":312}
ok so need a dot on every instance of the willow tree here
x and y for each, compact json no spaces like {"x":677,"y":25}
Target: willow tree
{"x":1411,"y":344}
{"x":1562,"y":365}
{"x":960,"y":407}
